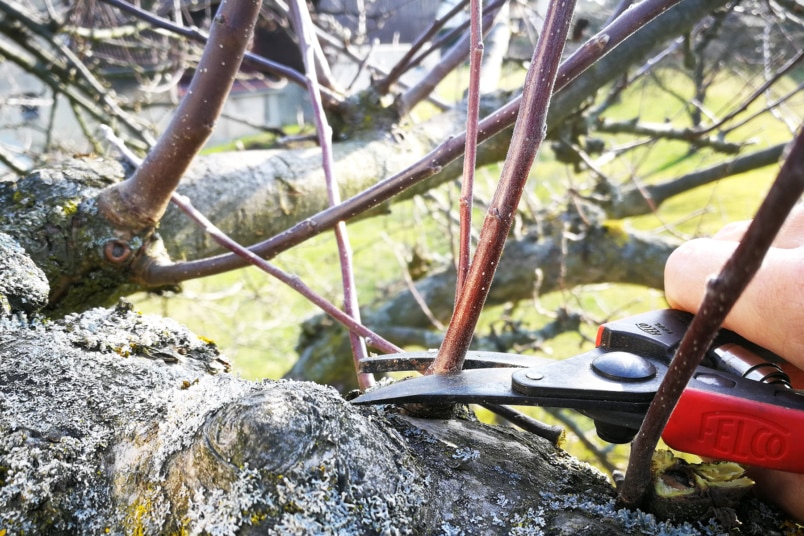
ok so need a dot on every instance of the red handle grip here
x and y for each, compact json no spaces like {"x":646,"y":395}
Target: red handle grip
{"x":737,"y":429}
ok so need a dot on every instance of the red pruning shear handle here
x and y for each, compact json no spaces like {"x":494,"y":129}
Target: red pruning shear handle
{"x":766,"y":431}
{"x":739,"y":406}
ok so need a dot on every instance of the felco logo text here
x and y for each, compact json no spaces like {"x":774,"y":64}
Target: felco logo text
{"x":743,"y":437}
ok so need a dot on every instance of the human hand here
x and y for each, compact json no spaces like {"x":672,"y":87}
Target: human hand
{"x":770,"y":313}
{"x":771,"y":310}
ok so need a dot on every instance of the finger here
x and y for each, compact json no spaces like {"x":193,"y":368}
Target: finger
{"x":732,"y":231}
{"x":791,"y":235}
{"x":769,"y":312}
{"x":783,"y":489}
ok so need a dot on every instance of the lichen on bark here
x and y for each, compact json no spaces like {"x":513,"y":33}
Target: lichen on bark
{"x":52,"y":213}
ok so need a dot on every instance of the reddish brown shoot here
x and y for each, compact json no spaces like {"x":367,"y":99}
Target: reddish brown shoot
{"x":470,"y":154}
{"x":306,"y":35}
{"x":529,"y":131}
{"x":139,"y":202}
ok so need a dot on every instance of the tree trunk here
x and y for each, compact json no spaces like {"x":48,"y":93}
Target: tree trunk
{"x":112,"y":422}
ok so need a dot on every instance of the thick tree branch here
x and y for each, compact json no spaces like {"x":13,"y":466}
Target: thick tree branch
{"x":636,"y":201}
{"x":129,"y":412}
{"x":140,"y":201}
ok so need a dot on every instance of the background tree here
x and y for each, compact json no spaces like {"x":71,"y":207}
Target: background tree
{"x":553,"y":245}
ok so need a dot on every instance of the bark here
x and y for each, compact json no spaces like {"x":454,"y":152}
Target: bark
{"x":114,"y":422}
{"x":53,"y":215}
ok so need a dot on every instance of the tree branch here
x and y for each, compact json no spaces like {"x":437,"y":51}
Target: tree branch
{"x":140,"y":201}
{"x":470,"y":153}
{"x":638,"y":27}
{"x":194,"y":34}
{"x":69,"y":69}
{"x":693,"y":136}
{"x":456,"y":55}
{"x":306,"y":35}
{"x":646,"y":198}
{"x":529,"y":132}
{"x":382,"y":86}
{"x":606,"y":254}
{"x":721,"y":294}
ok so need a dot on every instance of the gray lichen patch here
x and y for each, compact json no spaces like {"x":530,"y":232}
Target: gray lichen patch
{"x":62,"y":408}
{"x":112,"y":422}
{"x":23,"y":286}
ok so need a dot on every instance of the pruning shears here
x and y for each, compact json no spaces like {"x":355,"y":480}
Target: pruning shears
{"x":740,"y":405}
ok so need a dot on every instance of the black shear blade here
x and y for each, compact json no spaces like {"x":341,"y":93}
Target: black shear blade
{"x":419,"y":361}
{"x":468,"y":387}
{"x":572,"y":383}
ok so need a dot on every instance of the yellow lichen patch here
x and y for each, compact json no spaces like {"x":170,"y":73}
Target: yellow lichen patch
{"x":70,"y":207}
{"x":616,"y":231}
{"x":258,"y":517}
{"x":136,"y":515}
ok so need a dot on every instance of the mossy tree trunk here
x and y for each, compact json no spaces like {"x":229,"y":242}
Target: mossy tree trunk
{"x":112,"y":422}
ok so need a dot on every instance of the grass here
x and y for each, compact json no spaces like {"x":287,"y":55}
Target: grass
{"x":255,"y":320}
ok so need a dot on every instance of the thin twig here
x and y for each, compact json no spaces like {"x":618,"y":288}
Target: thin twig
{"x":194,"y":34}
{"x":294,"y":282}
{"x":411,"y":286}
{"x":306,"y":35}
{"x":74,"y":70}
{"x":721,"y":294}
{"x":470,"y":154}
{"x":382,"y":86}
{"x":448,"y":63}
{"x":529,"y":132}
{"x":551,"y":433}
{"x":770,"y":107}
{"x":761,"y":90}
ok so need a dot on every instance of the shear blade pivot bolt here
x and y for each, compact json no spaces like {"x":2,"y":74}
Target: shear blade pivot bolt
{"x":623,"y":366}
